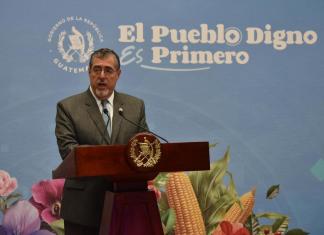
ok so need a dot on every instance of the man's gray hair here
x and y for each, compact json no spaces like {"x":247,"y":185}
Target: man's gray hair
{"x":103,"y":53}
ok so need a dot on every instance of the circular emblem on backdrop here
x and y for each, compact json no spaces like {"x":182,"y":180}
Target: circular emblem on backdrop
{"x":72,"y":40}
{"x":144,"y":152}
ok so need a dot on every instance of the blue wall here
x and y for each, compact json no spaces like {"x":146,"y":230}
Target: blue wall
{"x":269,"y":109}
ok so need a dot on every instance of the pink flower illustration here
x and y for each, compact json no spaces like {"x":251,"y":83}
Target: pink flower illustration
{"x":47,"y":197}
{"x":228,"y":228}
{"x":7,"y":184}
{"x":22,"y":219}
{"x":151,"y":187}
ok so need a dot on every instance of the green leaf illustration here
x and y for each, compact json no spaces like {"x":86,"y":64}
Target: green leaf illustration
{"x":163,"y":203}
{"x":168,"y":216}
{"x":212,"y":145}
{"x":253,"y":225}
{"x":273,"y":191}
{"x":169,"y":219}
{"x":58,"y":226}
{"x":6,"y":202}
{"x":214,"y":197}
{"x":2,"y":204}
{"x":12,"y":199}
{"x":280,"y":225}
{"x":296,"y":231}
{"x":161,"y":180}
{"x":271,"y":215}
{"x":204,"y":181}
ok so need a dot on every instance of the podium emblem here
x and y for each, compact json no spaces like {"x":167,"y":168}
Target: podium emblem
{"x":144,"y":151}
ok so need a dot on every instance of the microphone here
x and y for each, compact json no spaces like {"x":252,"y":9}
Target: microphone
{"x":105,"y":111}
{"x":121,"y":113}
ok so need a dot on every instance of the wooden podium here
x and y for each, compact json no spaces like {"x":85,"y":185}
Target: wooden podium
{"x":130,"y":208}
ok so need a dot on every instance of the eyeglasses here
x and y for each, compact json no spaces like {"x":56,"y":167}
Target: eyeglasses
{"x":107,"y":70}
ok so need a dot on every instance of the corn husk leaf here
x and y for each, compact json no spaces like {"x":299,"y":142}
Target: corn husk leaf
{"x":160,"y":180}
{"x":213,"y":196}
{"x":280,"y":221}
{"x":163,"y":203}
{"x":216,"y":213}
{"x":280,"y":225}
{"x":204,"y":181}
{"x":168,"y":216}
{"x":231,"y":189}
{"x":296,"y":231}
{"x":271,"y":215}
{"x":212,"y":145}
{"x":253,"y":225}
{"x":169,"y":220}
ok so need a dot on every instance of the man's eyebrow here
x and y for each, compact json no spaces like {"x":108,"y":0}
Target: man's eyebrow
{"x":101,"y":66}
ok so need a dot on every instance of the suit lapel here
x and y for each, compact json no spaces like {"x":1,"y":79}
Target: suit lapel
{"x":117,"y":119}
{"x":95,"y":115}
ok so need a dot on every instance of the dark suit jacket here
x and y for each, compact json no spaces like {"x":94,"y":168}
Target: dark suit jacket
{"x":79,"y":122}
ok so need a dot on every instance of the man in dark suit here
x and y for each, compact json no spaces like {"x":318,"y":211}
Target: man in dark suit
{"x":80,"y":121}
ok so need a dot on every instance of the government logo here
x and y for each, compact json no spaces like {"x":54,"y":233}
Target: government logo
{"x":72,"y":40}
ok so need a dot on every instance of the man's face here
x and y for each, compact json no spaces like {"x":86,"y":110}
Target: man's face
{"x":103,"y":76}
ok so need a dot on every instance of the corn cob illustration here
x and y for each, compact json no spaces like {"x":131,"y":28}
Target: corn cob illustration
{"x":183,"y":200}
{"x":236,"y":214}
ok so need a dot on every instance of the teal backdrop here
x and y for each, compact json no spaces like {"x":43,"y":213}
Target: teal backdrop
{"x":244,"y":74}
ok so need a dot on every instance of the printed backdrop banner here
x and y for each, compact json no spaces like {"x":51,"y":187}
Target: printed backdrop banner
{"x":247,"y":75}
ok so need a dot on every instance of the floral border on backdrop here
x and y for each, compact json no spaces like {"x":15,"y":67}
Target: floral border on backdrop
{"x":196,"y":203}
